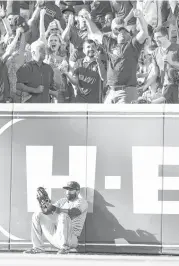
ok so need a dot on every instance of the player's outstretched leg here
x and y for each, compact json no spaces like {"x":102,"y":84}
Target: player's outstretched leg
{"x":67,"y":240}
{"x":41,"y":224}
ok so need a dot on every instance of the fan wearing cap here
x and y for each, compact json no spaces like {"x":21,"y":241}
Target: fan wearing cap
{"x":16,"y":20}
{"x":67,"y":11}
{"x":12,"y":20}
{"x":123,"y":52}
{"x":14,"y":44}
{"x":61,"y":223}
{"x":98,"y":11}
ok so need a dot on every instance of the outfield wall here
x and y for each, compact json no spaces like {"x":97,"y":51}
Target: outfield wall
{"x":126,"y":159}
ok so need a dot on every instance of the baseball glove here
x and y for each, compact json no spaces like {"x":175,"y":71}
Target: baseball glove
{"x":44,"y":201}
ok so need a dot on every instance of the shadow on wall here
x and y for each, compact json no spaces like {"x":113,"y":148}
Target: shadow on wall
{"x":103,"y":227}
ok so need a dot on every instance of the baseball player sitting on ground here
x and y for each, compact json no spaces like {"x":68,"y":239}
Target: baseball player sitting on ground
{"x":61,"y":223}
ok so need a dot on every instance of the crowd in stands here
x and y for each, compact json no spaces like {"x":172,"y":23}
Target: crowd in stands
{"x":110,"y":52}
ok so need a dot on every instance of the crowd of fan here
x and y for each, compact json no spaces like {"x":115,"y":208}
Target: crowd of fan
{"x":89,"y":51}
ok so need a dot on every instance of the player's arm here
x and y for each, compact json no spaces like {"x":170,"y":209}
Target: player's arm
{"x":73,"y":213}
{"x":79,"y":208}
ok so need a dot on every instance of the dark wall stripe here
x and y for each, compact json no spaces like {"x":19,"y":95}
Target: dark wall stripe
{"x":168,"y":195}
{"x":169,"y":170}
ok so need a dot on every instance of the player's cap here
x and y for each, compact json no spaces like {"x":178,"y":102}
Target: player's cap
{"x":68,"y":9}
{"x":72,"y":185}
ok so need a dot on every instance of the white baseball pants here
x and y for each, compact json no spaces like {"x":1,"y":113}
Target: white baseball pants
{"x":56,"y":228}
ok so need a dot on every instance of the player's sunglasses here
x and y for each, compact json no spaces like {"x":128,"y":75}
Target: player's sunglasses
{"x":70,"y":189}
